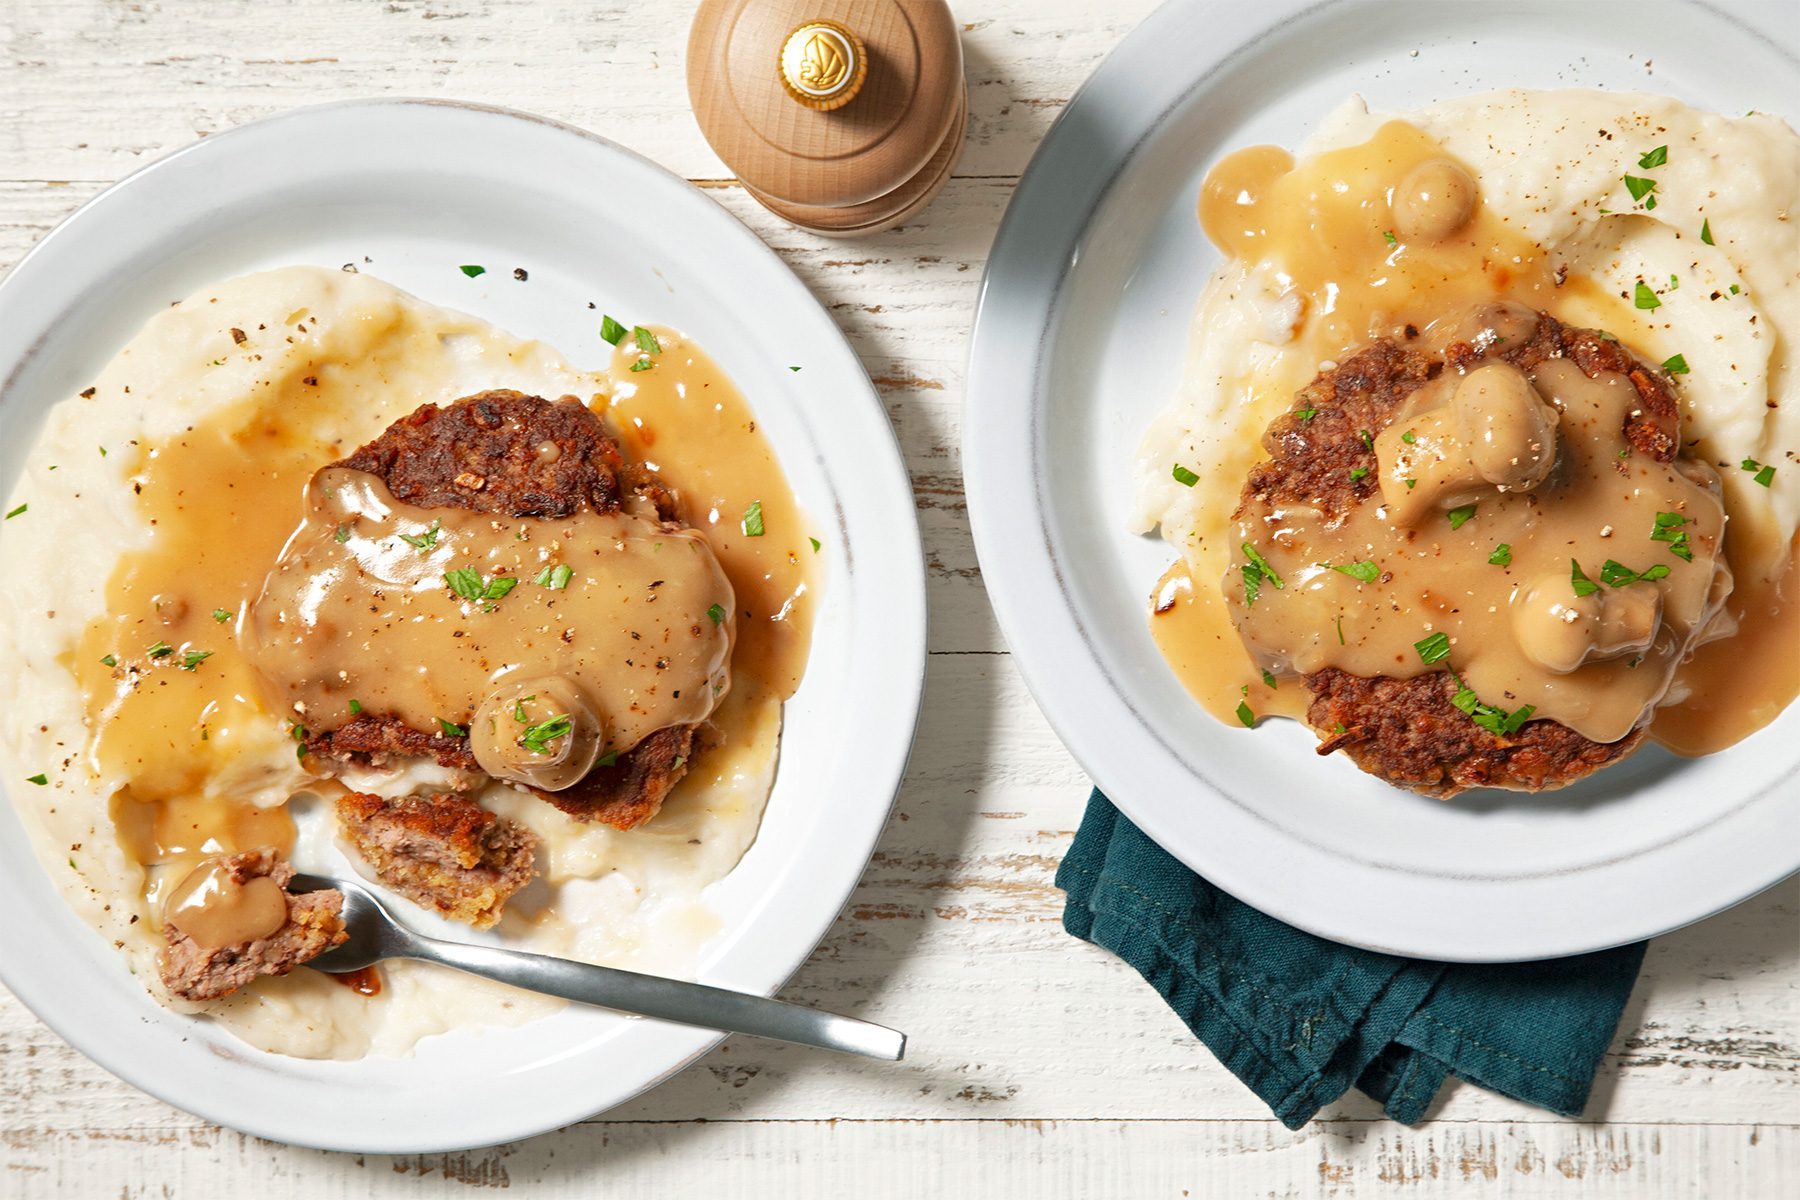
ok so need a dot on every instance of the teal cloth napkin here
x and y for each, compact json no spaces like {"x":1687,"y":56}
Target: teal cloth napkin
{"x":1301,"y":1020}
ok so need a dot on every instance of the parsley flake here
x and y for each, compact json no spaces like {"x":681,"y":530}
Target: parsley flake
{"x":421,"y":541}
{"x":193,"y":658}
{"x":1765,"y":475}
{"x":159,"y":649}
{"x":471,"y":270}
{"x":1357,"y":473}
{"x":1502,"y":555}
{"x":610,"y":329}
{"x":1409,"y":437}
{"x":1654,"y":158}
{"x":753,"y":520}
{"x":1255,"y":572}
{"x":111,"y":660}
{"x":356,"y":708}
{"x":451,"y":730}
{"x":607,"y":759}
{"x":646,"y":341}
{"x":537,"y":738}
{"x":1639,"y":187}
{"x":1460,"y":516}
{"x":42,"y":781}
{"x":15,"y":512}
{"x":1579,"y":581}
{"x":1675,"y":364}
{"x":1433,"y":648}
{"x":1644,"y":298}
{"x":1669,"y":529}
{"x":1706,"y":231}
{"x":221,"y":615}
{"x":1617,"y":575}
{"x":1269,"y":679}
{"x":717,"y":613}
{"x":1388,"y":235}
{"x":815,"y":542}
{"x":1184,"y":477}
{"x":1365,"y":571}
{"x":1245,"y":715}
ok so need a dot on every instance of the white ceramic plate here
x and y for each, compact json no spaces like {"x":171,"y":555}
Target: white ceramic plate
{"x":419,"y":187}
{"x":1079,"y":342}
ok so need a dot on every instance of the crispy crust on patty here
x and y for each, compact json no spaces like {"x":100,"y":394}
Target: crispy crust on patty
{"x":1407,"y":731}
{"x":515,"y":455}
{"x":442,"y":851}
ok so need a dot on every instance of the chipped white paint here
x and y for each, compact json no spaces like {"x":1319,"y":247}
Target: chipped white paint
{"x":1039,"y":1067}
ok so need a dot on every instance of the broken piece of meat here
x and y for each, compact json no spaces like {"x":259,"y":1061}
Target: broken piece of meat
{"x":314,"y":925}
{"x":443,"y":852}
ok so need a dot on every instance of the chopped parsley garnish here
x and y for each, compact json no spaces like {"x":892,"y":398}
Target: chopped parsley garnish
{"x":356,"y":708}
{"x":537,"y":738}
{"x":422,"y":541}
{"x":1388,"y":235}
{"x":1639,"y":187}
{"x":1409,"y":437}
{"x":1340,"y":629}
{"x":1368,"y":440}
{"x":646,"y":341}
{"x":1675,"y":364}
{"x":611,"y":330}
{"x":193,"y":658}
{"x":1184,"y":477}
{"x":1669,"y":529}
{"x":717,"y":613}
{"x":221,"y":615}
{"x":1460,"y":516}
{"x":1579,"y":581}
{"x":1366,"y":571}
{"x":40,"y":779}
{"x":607,"y":759}
{"x":1269,"y":679}
{"x":793,"y":368}
{"x":160,"y":650}
{"x":1706,"y":231}
{"x":1255,"y":572}
{"x":1644,"y":298}
{"x":556,"y":578}
{"x":1654,"y":158}
{"x":1734,"y":289}
{"x":15,"y":512}
{"x":343,"y":534}
{"x":1635,"y":660}
{"x":1357,"y":473}
{"x":1411,"y":483}
{"x":1615,"y":574}
{"x":471,"y":270}
{"x":468,"y":583}
{"x":1674,"y":283}
{"x":1306,"y":414}
{"x":1495,"y":720}
{"x":111,"y":660}
{"x":642,"y":364}
{"x":753,"y":519}
{"x":1502,"y":555}
{"x":451,"y":730}
{"x":1245,"y":715}
{"x":1765,"y":475}
{"x":1435,"y":648}
{"x":815,"y":542}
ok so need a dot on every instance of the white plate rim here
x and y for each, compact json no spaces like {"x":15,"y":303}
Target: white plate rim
{"x":900,"y":563}
{"x":1107,"y":121}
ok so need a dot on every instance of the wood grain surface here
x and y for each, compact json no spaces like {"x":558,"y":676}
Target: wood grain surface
{"x":1039,"y":1066}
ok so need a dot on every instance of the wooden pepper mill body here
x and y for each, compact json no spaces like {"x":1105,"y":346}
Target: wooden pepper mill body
{"x":843,"y":117}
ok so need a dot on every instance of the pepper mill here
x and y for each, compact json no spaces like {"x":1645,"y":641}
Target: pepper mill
{"x":843,"y":117}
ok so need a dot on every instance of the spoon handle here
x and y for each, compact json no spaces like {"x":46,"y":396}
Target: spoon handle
{"x":665,"y":999}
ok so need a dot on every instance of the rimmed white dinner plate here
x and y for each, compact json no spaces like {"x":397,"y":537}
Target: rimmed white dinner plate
{"x":419,"y":187}
{"x":1079,"y":342}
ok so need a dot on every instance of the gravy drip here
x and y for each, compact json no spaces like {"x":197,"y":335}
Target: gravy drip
{"x":1595,"y":655}
{"x":423,"y":613}
{"x":216,"y":910}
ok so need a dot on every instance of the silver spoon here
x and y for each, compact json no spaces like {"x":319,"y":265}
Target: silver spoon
{"x":375,"y":935}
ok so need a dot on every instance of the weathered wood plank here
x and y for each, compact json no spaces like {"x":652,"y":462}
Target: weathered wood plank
{"x":1044,"y":1160}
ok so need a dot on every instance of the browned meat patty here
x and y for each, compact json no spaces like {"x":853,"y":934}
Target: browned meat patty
{"x":314,"y":925}
{"x":486,"y":453}
{"x":444,"y":851}
{"x":1406,"y":731}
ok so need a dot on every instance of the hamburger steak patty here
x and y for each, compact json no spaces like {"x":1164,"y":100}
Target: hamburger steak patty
{"x":442,"y":851}
{"x":486,"y":453}
{"x":1406,"y":731}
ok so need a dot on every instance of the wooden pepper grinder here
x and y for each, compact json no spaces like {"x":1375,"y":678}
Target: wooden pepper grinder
{"x":840,"y":116}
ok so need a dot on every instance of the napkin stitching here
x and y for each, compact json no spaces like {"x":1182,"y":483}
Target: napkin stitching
{"x":1478,"y":1043}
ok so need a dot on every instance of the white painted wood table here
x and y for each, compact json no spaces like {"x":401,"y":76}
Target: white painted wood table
{"x":1039,"y":1067}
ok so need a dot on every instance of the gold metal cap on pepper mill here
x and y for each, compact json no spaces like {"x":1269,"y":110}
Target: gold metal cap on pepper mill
{"x":841,"y":116}
{"x":823,"y":65}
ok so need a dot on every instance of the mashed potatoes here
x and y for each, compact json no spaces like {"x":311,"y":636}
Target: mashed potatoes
{"x":283,"y":372}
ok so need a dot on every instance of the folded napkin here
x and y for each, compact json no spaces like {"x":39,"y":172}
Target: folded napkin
{"x":1301,"y":1020}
